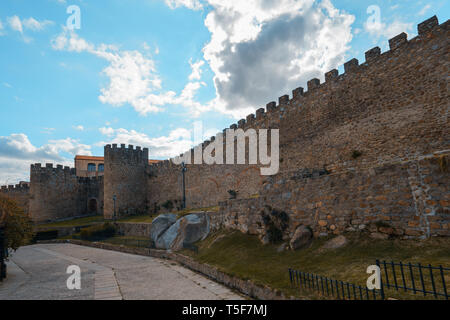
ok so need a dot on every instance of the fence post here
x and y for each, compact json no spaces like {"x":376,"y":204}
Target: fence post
{"x":443,"y":282}
{"x":381,"y":280}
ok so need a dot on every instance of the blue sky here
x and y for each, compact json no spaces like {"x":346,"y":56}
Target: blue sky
{"x":143,"y":71}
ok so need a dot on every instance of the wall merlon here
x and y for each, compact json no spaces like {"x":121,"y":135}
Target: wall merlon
{"x":49,"y":165}
{"x":59,"y":167}
{"x":373,"y":54}
{"x":233,"y":126}
{"x":131,"y":147}
{"x":398,"y":41}
{"x":138,"y":148}
{"x":313,"y":84}
{"x":351,"y":65}
{"x":427,"y":25}
{"x":297,"y":92}
{"x":260,"y":113}
{"x":271,"y":106}
{"x":283,"y":99}
{"x":114,"y":146}
{"x":250,"y":118}
{"x":241,"y":123}
{"x":330,"y":75}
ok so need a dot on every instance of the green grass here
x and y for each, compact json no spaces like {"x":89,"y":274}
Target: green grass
{"x":186,"y":212}
{"x":73,"y":223}
{"x":138,"y":219}
{"x":244,"y":256}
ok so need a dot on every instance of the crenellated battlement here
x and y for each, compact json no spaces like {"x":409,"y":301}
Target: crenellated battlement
{"x":15,"y":188}
{"x":334,"y":81}
{"x":39,"y":168}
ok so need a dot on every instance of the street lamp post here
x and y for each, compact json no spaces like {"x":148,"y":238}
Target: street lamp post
{"x":114,"y":200}
{"x":183,"y":170}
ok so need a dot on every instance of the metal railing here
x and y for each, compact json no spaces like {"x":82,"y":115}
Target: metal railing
{"x":415,"y":278}
{"x":331,"y":288}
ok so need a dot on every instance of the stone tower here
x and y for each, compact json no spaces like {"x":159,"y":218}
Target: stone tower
{"x":126,"y":180}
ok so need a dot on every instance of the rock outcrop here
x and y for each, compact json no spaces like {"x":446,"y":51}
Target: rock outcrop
{"x":181,"y":234}
{"x":302,"y":238}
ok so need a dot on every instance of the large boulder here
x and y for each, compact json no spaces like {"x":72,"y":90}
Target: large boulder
{"x":167,"y":238}
{"x":160,"y":225}
{"x":336,"y":243}
{"x":184,"y":232}
{"x":302,"y":238}
{"x":192,"y":228}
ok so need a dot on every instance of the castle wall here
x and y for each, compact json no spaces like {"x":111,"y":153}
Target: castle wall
{"x":392,"y":107}
{"x":57,"y":193}
{"x":125,"y":177}
{"x":19,"y":193}
{"x":411,"y":199}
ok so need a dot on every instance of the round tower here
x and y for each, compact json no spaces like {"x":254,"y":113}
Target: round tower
{"x":125,"y":189}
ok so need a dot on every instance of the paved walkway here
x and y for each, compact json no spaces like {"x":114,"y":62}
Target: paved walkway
{"x":39,"y":272}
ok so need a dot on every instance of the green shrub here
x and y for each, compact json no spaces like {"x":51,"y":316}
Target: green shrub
{"x":100,"y":231}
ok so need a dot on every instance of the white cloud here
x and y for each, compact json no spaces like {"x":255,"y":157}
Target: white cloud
{"x":190,"y":4}
{"x":79,"y":128}
{"x":31,"y":24}
{"x":424,"y":10}
{"x":17,"y":153}
{"x":15,"y":23}
{"x":133,"y":78}
{"x":196,"y":70}
{"x":380,"y":29}
{"x":261,"y":49}
{"x":177,"y":142}
{"x":1,"y":29}
{"x":36,"y":25}
{"x":6,"y":84}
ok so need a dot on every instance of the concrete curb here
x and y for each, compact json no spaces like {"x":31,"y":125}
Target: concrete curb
{"x":246,"y":287}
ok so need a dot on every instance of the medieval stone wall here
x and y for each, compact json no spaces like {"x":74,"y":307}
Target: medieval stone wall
{"x":19,"y":193}
{"x":57,"y":193}
{"x":410,"y":199}
{"x":391,"y":109}
{"x":125,"y":177}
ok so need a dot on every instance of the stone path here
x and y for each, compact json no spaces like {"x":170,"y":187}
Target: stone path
{"x":39,"y":272}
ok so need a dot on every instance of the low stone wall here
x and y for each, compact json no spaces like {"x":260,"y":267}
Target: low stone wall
{"x":410,"y":199}
{"x":246,"y":287}
{"x":134,"y":229}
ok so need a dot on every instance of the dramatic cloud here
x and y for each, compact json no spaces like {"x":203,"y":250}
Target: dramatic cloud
{"x":261,"y":49}
{"x":17,"y":152}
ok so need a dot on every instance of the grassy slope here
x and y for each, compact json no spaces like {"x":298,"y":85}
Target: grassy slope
{"x":244,"y":256}
{"x":132,"y":219}
{"x":72,"y":223}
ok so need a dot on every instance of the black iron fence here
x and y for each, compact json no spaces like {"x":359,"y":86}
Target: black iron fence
{"x":414,"y":278}
{"x":2,"y":255}
{"x":331,"y":288}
